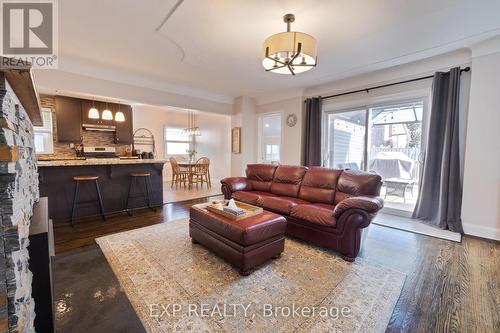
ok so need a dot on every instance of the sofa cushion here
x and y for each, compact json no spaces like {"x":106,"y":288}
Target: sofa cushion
{"x":319,"y":185}
{"x":287,"y":179}
{"x":321,"y":214}
{"x":281,"y":205}
{"x":260,"y":176}
{"x":251,"y":197}
{"x":356,"y":183}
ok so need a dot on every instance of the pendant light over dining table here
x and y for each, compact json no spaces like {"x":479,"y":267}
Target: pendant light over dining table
{"x":289,"y":52}
{"x":192,"y":129}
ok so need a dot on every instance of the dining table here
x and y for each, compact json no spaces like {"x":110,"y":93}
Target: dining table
{"x":190,"y":166}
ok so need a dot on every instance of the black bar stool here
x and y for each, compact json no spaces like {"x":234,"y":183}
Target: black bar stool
{"x":79,"y":179}
{"x":146,"y":191}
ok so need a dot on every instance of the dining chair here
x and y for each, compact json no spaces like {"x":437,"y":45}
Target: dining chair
{"x":201,"y":172}
{"x":178,"y":174}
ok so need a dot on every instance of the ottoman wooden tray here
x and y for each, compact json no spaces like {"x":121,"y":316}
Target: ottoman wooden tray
{"x":244,"y":243}
{"x":250,"y":210}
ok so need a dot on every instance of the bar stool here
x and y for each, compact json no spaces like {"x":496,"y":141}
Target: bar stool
{"x":79,"y":179}
{"x":146,"y":192}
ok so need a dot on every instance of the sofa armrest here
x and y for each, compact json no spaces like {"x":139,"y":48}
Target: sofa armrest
{"x":233,"y":184}
{"x":370,"y":205}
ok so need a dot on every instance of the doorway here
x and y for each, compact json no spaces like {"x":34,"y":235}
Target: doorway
{"x":269,"y":130}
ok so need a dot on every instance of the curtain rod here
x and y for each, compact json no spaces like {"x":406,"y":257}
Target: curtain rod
{"x":466,"y":69}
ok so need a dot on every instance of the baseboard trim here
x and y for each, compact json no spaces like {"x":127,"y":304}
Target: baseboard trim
{"x":480,"y":231}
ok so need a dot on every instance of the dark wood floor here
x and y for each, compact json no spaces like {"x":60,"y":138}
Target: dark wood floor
{"x":450,"y":287}
{"x":85,"y":232}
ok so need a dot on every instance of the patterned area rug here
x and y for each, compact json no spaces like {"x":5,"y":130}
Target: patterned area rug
{"x":176,"y":286}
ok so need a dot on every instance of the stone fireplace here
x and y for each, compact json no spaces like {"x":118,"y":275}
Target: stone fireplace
{"x":18,"y":194}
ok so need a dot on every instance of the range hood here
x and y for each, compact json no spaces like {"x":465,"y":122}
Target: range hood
{"x":97,"y":127}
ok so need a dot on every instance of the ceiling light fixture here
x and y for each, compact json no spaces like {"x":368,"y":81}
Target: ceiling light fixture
{"x":93,"y":112}
{"x":289,"y":52}
{"x":192,"y":129}
{"x":119,"y":116}
{"x":106,"y":114}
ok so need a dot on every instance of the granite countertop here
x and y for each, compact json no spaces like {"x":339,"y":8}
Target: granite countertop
{"x":98,"y":161}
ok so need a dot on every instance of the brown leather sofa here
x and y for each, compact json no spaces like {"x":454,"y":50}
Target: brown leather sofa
{"x":323,"y":206}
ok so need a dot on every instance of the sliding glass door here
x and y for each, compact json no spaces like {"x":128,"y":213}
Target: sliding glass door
{"x":386,"y":139}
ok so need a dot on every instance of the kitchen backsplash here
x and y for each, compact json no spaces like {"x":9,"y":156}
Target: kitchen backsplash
{"x":90,"y":138}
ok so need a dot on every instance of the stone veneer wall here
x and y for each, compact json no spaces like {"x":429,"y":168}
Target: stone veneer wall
{"x":90,"y":138}
{"x":18,"y":193}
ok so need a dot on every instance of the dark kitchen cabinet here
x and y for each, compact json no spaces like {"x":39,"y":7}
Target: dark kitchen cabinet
{"x":68,"y":119}
{"x":123,"y":133}
{"x":124,"y":128}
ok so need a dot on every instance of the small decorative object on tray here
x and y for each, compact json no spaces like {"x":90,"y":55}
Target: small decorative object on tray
{"x":233,"y":210}
{"x":231,"y":203}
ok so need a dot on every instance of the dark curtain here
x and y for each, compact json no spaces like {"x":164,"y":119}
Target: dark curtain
{"x":440,"y":191}
{"x":312,"y":146}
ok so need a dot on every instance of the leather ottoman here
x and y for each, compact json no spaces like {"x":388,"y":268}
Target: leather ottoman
{"x":244,"y":243}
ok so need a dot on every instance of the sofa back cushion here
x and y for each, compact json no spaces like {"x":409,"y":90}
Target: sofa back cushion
{"x":354,"y":183}
{"x":319,"y":185}
{"x":287,"y":179}
{"x":260,"y":176}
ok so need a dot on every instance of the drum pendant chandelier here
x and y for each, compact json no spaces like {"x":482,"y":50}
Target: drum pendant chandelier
{"x":289,"y":52}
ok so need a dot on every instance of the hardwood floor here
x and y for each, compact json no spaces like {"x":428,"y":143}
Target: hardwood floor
{"x":85,"y":232}
{"x":450,"y":287}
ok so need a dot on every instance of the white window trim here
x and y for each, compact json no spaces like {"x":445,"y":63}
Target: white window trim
{"x":49,"y":130}
{"x":189,"y":140}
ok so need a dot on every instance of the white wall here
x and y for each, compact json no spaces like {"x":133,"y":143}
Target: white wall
{"x":396,"y":73}
{"x":244,"y":117}
{"x":213,"y":143}
{"x":481,"y":188}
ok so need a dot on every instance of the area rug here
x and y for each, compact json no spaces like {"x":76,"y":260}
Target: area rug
{"x":176,"y":286}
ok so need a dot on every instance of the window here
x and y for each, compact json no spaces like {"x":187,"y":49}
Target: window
{"x":272,"y":152}
{"x":43,"y":134}
{"x":175,"y":143}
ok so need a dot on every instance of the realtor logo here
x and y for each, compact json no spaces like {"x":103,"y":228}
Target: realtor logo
{"x":29,"y":33}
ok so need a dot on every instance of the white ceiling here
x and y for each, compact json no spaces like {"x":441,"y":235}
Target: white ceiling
{"x":212,"y":49}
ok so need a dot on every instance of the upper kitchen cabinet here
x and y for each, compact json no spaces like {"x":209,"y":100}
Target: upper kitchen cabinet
{"x":68,"y":119}
{"x":124,"y":129}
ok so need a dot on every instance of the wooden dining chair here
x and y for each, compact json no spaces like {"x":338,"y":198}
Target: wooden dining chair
{"x":178,"y":174}
{"x":201,"y":172}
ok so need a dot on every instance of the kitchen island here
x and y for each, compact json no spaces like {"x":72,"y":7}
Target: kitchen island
{"x":56,"y":183}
